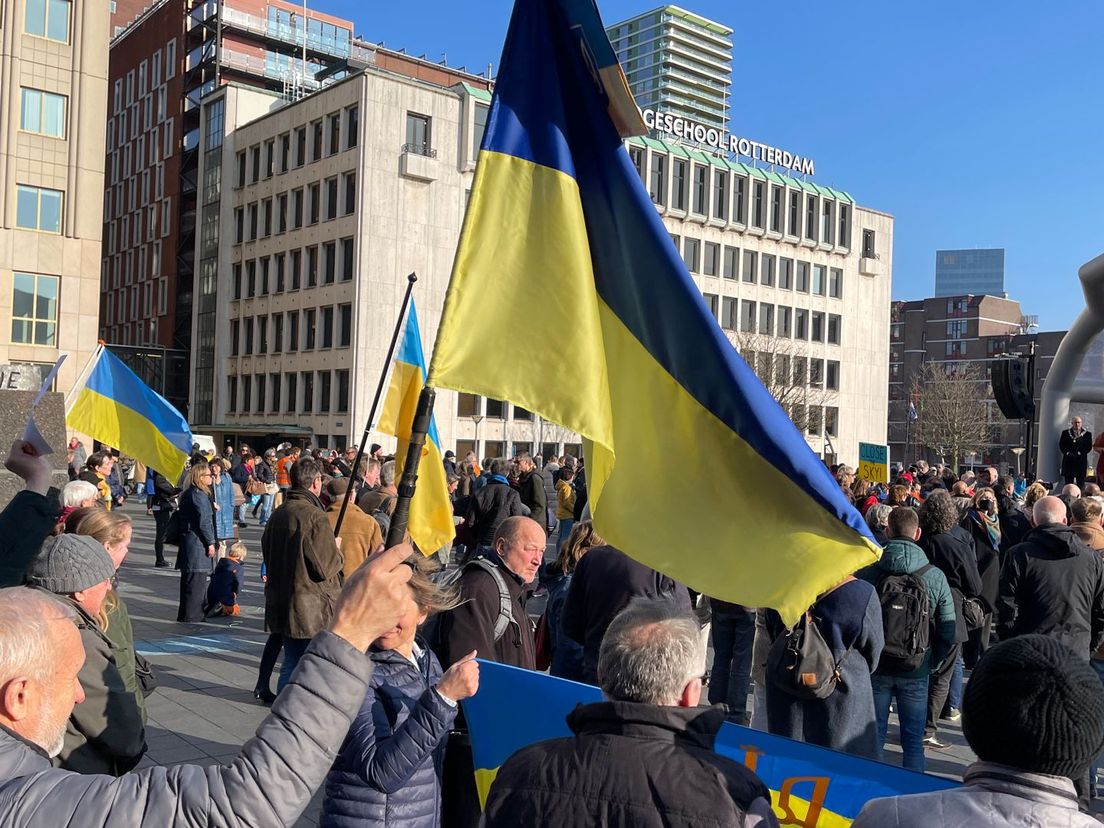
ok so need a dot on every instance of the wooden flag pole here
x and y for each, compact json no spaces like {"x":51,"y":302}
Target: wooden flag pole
{"x":354,"y":472}
{"x":423,"y":415}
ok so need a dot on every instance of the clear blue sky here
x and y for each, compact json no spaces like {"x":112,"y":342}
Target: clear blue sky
{"x":974,"y":124}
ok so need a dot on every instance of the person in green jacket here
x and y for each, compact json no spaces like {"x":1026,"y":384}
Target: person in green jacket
{"x":890,"y":681}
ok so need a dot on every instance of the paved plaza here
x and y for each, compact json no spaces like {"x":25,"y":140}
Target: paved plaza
{"x":203,"y":709}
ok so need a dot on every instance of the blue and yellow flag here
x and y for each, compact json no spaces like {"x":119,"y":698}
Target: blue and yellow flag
{"x":810,"y":786}
{"x":117,"y":408}
{"x":431,"y":525}
{"x":692,"y":466}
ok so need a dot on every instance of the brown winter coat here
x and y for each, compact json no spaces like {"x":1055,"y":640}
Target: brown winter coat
{"x":360,"y":535}
{"x":304,"y":567}
{"x":1091,"y":534}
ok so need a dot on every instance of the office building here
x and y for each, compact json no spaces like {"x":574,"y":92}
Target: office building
{"x":797,"y":274}
{"x":969,"y":272}
{"x":161,"y":66}
{"x":677,"y":63}
{"x":53,"y":88}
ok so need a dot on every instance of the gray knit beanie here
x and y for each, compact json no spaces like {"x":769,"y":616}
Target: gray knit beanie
{"x":1034,"y":704}
{"x":70,"y":563}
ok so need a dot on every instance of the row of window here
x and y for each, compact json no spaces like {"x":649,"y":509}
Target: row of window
{"x":148,"y":76}
{"x":136,"y":156}
{"x":728,"y":196}
{"x":815,"y":419}
{"x":324,"y":263}
{"x":291,"y":393}
{"x":325,"y":136}
{"x":305,"y":206}
{"x":715,"y":259}
{"x":783,"y":321}
{"x":145,"y":298}
{"x":788,"y":371}
{"x":326,"y":327}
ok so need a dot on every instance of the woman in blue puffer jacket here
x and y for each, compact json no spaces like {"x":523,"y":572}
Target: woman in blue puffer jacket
{"x":389,"y":770}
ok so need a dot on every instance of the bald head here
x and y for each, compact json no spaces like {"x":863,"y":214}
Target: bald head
{"x":1048,"y":510}
{"x":520,"y":543}
{"x":1071,"y":490}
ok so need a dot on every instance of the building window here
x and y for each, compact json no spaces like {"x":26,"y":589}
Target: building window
{"x":297,"y":209}
{"x":274,"y":391}
{"x":801,"y":324}
{"x":335,"y":133}
{"x":419,"y":136}
{"x":834,"y":329}
{"x":327,"y":326}
{"x":350,"y":193}
{"x":712,"y":254}
{"x":747,"y":316}
{"x":281,"y":213}
{"x":766,"y":320}
{"x":700,"y":192}
{"x":678,"y":185}
{"x":816,"y":329}
{"x":845,"y":225}
{"x":802,"y":285}
{"x":728,"y":313}
{"x":785,"y":321}
{"x":38,"y":209}
{"x":352,"y":126}
{"x":347,"y":260}
{"x":285,"y":152}
{"x":828,"y":228}
{"x":291,"y":404}
{"x":232,"y":394}
{"x":329,"y":262}
{"x":49,"y":19}
{"x":331,"y":198}
{"x":831,"y":421}
{"x":793,"y":227}
{"x":316,"y":140}
{"x":751,"y":262}
{"x":295,"y":269}
{"x":832,"y":375}
{"x":345,"y":322}
{"x":835,"y":283}
{"x":816,"y":373}
{"x":270,"y":158}
{"x":342,"y":391}
{"x":720,"y":194}
{"x":820,"y":285}
{"x":293,"y":331}
{"x":766,"y":270}
{"x":480,"y":127}
{"x":42,"y":112}
{"x":814,"y":424}
{"x":310,"y":329}
{"x":467,"y":405}
{"x":259,"y":409}
{"x":315,"y":203}
{"x":277,"y":333}
{"x":713,"y":301}
{"x":236,"y":279}
{"x":34,"y":309}
{"x":312,"y":266}
{"x":247,"y":348}
{"x":868,"y":249}
{"x":758,"y":205}
{"x":776,"y":210}
{"x":739,"y":200}
{"x":785,"y":274}
{"x":731,"y":268}
{"x":300,"y":146}
{"x":658,"y":179}
{"x":496,"y":409}
{"x":691,"y":251}
{"x":811,"y":217}
{"x":308,"y":391}
{"x":636,"y":155}
{"x":247,"y":394}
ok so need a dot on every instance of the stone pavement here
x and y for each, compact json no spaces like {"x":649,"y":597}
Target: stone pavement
{"x":203,"y":709}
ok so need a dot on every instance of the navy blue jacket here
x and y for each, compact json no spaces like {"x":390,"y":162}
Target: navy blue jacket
{"x":226,"y":583}
{"x":389,"y":770}
{"x":567,"y":653}
{"x":197,"y":527}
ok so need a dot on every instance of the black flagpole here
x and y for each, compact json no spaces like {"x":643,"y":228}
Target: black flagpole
{"x":354,"y":472}
{"x":418,"y":430}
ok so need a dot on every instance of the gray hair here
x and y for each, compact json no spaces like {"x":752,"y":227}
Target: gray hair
{"x":78,"y":491}
{"x":387,"y":473}
{"x":877,"y":516}
{"x":26,"y":641}
{"x":650,"y":652}
{"x":1048,"y":509}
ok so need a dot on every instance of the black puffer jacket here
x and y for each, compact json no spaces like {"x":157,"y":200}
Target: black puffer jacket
{"x":953,"y":554}
{"x":605,"y":580}
{"x":630,"y":764}
{"x":389,"y":769}
{"x":490,"y":506}
{"x":1053,"y":584}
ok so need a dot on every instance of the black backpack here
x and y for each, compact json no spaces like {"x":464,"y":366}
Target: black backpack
{"x":800,"y":661}
{"x":906,"y":619}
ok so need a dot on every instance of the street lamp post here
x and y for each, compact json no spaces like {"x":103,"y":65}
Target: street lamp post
{"x":477,"y":419}
{"x":1018,"y":451}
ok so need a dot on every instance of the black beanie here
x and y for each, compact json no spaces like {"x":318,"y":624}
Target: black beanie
{"x":1032,"y":703}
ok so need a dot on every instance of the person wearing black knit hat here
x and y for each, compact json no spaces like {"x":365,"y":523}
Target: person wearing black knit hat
{"x":1033,"y":712}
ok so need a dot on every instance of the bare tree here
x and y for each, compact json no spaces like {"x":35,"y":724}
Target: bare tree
{"x":951,"y":414}
{"x":786,"y":370}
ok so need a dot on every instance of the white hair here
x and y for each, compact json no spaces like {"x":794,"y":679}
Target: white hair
{"x":387,"y":473}
{"x":76,"y":492}
{"x":26,"y":641}
{"x":650,"y":652}
{"x":1048,"y":509}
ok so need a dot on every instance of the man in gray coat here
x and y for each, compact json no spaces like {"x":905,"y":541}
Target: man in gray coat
{"x":271,"y":781}
{"x":1033,"y":712}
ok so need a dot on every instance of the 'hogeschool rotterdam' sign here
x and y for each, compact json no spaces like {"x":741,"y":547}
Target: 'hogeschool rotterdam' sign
{"x":712,"y":137}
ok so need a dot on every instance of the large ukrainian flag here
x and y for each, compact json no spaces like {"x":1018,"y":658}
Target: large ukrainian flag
{"x":591,"y":320}
{"x":431,"y":524}
{"x":117,"y":408}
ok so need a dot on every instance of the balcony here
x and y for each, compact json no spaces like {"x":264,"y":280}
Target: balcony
{"x":292,"y":35}
{"x":871,"y":265}
{"x":418,"y":162}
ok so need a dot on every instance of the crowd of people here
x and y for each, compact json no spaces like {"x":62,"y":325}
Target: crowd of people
{"x":986,"y":607}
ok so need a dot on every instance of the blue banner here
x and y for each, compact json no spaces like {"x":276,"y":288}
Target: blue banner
{"x":810,"y":786}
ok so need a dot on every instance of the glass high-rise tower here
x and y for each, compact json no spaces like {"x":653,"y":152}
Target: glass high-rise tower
{"x":976,"y":272}
{"x":677,"y":62}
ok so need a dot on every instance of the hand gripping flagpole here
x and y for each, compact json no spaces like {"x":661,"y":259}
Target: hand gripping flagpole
{"x":355,"y":471}
{"x":423,"y":415}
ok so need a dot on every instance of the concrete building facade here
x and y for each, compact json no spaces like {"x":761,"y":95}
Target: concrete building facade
{"x":677,"y":63}
{"x":53,"y":94}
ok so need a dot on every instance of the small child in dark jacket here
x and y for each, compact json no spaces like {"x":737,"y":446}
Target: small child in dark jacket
{"x":226,"y":584}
